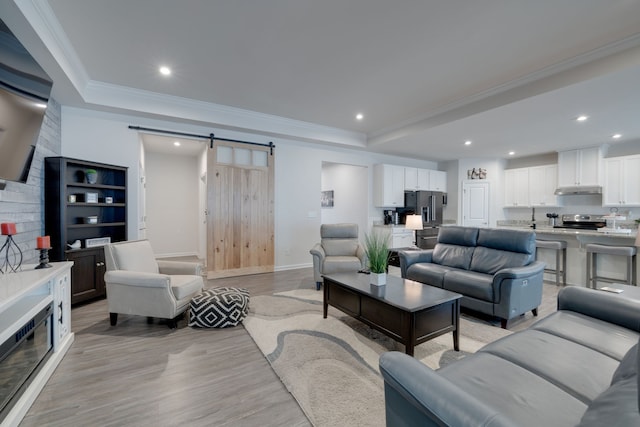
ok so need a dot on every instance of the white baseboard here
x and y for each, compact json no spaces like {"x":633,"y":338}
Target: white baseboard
{"x":292,"y":267}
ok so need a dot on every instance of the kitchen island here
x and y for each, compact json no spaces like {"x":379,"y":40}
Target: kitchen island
{"x":610,"y":266}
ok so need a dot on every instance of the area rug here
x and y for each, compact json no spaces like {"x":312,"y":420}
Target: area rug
{"x":330,"y":365}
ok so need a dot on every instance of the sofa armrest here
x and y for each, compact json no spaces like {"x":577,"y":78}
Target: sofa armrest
{"x":518,"y":289}
{"x":136,"y":278}
{"x":415,"y":395}
{"x":407,"y":258}
{"x":180,"y":267}
{"x":361,"y":253}
{"x":317,"y":255}
{"x":613,"y":308}
{"x":519,"y":272}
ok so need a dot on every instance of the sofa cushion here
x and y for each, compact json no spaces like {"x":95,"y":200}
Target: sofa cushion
{"x":628,"y":366}
{"x":135,"y":256}
{"x":490,"y":261}
{"x":431,"y":274}
{"x":453,"y":255}
{"x":616,"y":406}
{"x":461,"y":236}
{"x":508,"y":240}
{"x":471,"y":284}
{"x":559,"y":361}
{"x":340,"y":247}
{"x":607,"y":338}
{"x":514,"y":391}
{"x":184,"y":286}
{"x":339,"y":264}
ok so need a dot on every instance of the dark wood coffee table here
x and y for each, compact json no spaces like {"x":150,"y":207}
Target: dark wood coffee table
{"x":407,"y":311}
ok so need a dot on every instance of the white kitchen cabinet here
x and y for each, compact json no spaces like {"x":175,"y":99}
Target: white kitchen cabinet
{"x":388,"y":186}
{"x":621,"y":178}
{"x":579,"y":167}
{"x":437,"y":181}
{"x":516,"y":184}
{"x":543,"y":181}
{"x":399,"y":237}
{"x":416,"y":179}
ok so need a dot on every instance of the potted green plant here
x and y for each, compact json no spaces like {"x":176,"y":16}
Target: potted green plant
{"x":91,"y":175}
{"x":377,"y":251}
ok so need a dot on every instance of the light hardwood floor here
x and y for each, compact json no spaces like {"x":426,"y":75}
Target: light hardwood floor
{"x":139,"y":374}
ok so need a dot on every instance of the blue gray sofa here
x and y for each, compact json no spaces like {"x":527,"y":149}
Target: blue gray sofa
{"x":577,"y":367}
{"x":494,"y":269}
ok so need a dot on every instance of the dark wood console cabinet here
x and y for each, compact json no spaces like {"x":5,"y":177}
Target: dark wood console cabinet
{"x":70,"y":202}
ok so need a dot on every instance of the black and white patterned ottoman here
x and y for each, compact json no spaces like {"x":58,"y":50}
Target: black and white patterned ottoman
{"x":219,"y":307}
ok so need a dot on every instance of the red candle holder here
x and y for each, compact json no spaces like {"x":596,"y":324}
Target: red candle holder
{"x":43,"y":244}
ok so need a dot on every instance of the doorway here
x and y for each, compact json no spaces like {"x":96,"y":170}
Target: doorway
{"x":240,"y":210}
{"x":475,"y":203}
{"x":348,"y":187}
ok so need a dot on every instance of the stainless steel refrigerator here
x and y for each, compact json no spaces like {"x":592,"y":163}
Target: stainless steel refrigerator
{"x":429,"y":204}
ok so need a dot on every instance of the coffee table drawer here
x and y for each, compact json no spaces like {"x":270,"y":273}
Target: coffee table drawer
{"x":384,"y":317}
{"x":343,"y":299}
{"x":435,"y":320}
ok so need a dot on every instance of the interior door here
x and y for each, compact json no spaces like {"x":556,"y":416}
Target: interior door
{"x":240,"y":230}
{"x":475,"y":203}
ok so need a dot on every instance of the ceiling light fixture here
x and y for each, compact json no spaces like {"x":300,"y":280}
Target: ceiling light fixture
{"x":511,"y":153}
{"x":165,"y":71}
{"x":467,"y":142}
{"x":359,"y":116}
{"x":616,"y":136}
{"x":176,"y":143}
{"x":582,"y":118}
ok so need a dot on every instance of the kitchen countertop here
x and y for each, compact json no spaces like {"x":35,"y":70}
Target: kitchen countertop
{"x":626,"y":238}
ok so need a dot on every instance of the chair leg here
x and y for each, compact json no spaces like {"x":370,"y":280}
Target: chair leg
{"x":149,"y":320}
{"x":535,"y":312}
{"x":113,"y":318}
{"x":564,"y":267}
{"x":172,"y":323}
{"x":503,"y":323}
{"x":318,"y":284}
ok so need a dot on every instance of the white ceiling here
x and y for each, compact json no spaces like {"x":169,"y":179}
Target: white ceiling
{"x":426,"y":74}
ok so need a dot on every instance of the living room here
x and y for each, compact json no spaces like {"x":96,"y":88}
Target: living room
{"x":88,"y":118}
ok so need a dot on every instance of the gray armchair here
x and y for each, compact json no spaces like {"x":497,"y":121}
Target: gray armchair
{"x":138,"y":284}
{"x":339,"y":250}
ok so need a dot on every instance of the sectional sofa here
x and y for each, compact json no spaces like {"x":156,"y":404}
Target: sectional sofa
{"x":576,"y":367}
{"x":495,"y":270}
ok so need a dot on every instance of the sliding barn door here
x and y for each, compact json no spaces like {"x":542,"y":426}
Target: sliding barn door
{"x":240,"y":210}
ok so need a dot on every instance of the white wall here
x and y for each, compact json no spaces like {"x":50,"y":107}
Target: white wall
{"x":105,"y":137}
{"x":349,"y":184}
{"x":172,"y":204}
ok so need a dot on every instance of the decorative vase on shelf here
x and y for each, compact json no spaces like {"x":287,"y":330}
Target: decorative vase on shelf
{"x":91,"y":175}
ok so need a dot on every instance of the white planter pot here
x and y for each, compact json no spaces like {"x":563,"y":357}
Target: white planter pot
{"x":378,"y":279}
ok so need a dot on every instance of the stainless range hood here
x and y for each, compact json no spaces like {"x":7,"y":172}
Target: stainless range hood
{"x":579,"y":189}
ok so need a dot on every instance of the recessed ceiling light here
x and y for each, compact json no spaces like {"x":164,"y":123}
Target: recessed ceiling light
{"x":40,"y":105}
{"x":467,"y":142}
{"x":359,"y":116}
{"x":511,"y":153}
{"x":616,"y":136}
{"x":165,"y":71}
{"x":581,"y":118}
{"x":176,"y":143}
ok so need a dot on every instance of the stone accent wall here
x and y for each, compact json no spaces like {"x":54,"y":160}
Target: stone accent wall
{"x":24,"y":203}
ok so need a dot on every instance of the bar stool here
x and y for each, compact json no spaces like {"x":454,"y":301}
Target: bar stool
{"x":594,"y":249}
{"x":560,"y":246}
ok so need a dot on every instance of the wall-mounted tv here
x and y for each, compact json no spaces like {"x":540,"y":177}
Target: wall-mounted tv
{"x":24,"y":94}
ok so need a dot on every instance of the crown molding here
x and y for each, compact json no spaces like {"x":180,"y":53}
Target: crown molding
{"x":616,"y":55}
{"x":47,"y":27}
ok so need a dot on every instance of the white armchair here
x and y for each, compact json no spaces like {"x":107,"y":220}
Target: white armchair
{"x":138,"y":284}
{"x":339,"y":250}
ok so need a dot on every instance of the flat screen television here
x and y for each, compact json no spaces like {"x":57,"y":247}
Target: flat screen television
{"x":24,"y":94}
